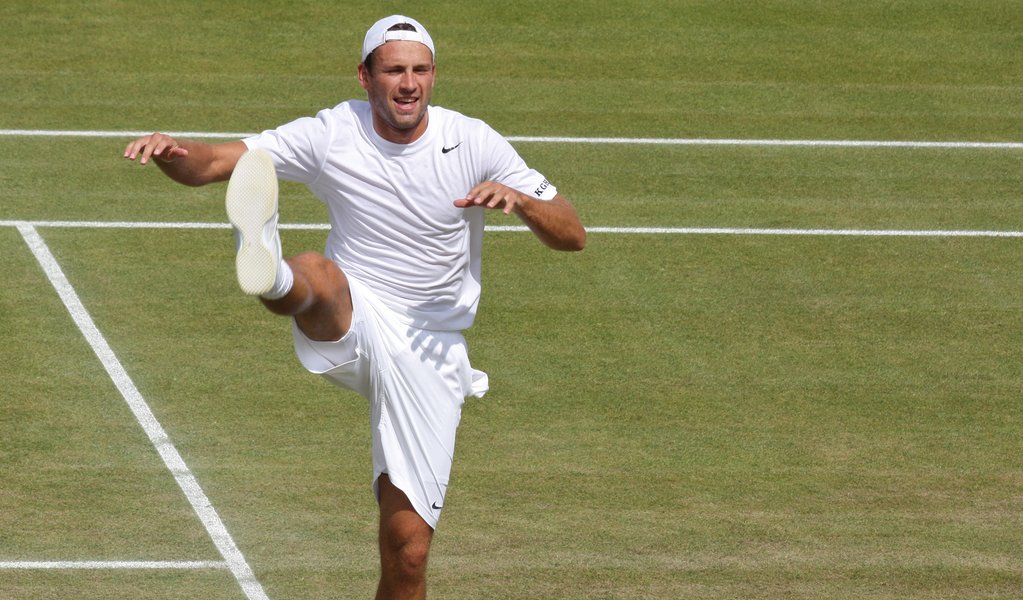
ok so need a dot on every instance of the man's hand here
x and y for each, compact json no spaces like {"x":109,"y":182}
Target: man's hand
{"x":492,"y":195}
{"x":157,"y":145}
{"x":206,"y":162}
{"x":553,"y":221}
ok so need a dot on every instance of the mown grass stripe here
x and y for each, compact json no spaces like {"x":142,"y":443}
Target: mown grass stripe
{"x":952,"y":145}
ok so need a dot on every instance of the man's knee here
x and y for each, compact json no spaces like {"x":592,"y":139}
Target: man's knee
{"x":410,"y":559}
{"x":404,"y":536}
{"x":404,"y":550}
{"x":314,"y":277}
{"x":317,"y":269}
{"x":322,"y":304}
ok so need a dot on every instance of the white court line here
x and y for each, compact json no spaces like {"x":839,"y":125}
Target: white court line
{"x":111,"y":564}
{"x":151,"y":225}
{"x":742,"y":142}
{"x":523,"y":229}
{"x":572,"y":140}
{"x":157,"y":436}
{"x":117,"y":134}
{"x":809,"y":232}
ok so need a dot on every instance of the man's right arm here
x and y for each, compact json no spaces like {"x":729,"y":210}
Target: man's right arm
{"x":187,"y":161}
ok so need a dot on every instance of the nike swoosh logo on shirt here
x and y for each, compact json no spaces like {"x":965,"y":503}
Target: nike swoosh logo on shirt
{"x":446,"y":150}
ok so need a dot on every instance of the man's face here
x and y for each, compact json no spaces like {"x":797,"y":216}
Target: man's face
{"x":399,"y":89}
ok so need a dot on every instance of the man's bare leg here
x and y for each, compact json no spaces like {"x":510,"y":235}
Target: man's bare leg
{"x":321,"y":304}
{"x":318,"y":296}
{"x":404,"y":545}
{"x":308,"y":287}
{"x":319,"y":299}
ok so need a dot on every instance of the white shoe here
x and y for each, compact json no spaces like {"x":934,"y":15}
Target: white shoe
{"x":252,"y":209}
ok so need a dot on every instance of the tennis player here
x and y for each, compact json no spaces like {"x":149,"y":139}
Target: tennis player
{"x":382,"y":309}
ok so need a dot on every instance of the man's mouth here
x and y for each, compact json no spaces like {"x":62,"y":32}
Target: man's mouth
{"x":405,"y":102}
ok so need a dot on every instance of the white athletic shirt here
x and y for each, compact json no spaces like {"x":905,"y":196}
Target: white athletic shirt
{"x":394,"y":225}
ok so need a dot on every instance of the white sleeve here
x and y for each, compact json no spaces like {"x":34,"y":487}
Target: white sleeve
{"x":298,"y":148}
{"x":507,"y":167}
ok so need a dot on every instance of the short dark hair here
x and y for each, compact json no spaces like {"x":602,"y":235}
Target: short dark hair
{"x":368,"y":63}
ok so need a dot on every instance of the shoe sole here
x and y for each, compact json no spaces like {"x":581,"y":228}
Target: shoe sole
{"x":251,"y":205}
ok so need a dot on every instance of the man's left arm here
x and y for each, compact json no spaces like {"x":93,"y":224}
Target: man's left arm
{"x":553,"y":221}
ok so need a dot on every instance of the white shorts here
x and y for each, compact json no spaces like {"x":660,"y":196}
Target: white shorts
{"x":415,"y":380}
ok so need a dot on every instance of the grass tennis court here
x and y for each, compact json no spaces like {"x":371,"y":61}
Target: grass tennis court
{"x":720,"y":413}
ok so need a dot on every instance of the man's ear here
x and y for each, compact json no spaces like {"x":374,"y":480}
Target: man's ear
{"x":363,"y":75}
